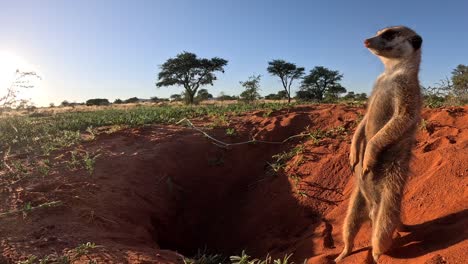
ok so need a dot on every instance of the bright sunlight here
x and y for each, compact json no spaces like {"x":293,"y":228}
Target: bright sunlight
{"x":9,"y":64}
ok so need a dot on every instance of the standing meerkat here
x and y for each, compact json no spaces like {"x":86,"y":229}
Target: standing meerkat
{"x":381,"y":146}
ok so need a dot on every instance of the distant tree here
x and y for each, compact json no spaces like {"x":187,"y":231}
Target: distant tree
{"x":190,"y":72}
{"x":271,"y":96}
{"x":252,"y":87}
{"x":155,"y":99}
{"x":118,"y":101}
{"x":203,"y":95}
{"x":282,"y":95}
{"x":224,"y":97}
{"x":434,"y":96}
{"x":333,"y":93}
{"x":132,"y":100}
{"x":287,"y":72}
{"x":176,"y":97}
{"x":361,"y":97}
{"x":320,"y":81}
{"x":278,"y":96}
{"x":65,"y":103}
{"x":350,"y":96}
{"x":51,"y":105}
{"x":460,"y":83}
{"x":97,"y":101}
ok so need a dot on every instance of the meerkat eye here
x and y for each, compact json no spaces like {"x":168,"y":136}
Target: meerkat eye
{"x":389,"y":34}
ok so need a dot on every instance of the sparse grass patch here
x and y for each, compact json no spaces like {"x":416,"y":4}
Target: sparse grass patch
{"x":41,"y":135}
{"x":243,"y":258}
{"x":282,"y":158}
{"x":423,"y":124}
{"x":67,"y":258}
{"x":28,"y":208}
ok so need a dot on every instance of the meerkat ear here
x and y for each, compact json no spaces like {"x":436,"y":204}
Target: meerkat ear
{"x":416,"y":42}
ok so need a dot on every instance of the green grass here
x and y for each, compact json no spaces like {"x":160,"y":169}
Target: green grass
{"x":206,"y":258}
{"x":41,"y":135}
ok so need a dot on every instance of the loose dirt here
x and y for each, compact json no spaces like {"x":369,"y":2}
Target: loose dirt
{"x":159,"y":193}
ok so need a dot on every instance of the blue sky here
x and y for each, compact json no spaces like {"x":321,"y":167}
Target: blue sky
{"x":112,"y":49}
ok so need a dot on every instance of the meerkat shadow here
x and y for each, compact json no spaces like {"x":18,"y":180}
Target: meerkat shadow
{"x":432,"y":235}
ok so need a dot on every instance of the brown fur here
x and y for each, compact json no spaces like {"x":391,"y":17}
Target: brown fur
{"x":381,"y":146}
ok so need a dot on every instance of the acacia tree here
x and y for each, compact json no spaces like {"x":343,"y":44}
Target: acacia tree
{"x":203,"y":95}
{"x":190,"y":72}
{"x":320,"y":81}
{"x":252,"y":86}
{"x":460,"y":83}
{"x":287,"y":72}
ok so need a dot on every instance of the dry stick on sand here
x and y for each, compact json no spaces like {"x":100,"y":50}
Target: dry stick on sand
{"x":220,"y":143}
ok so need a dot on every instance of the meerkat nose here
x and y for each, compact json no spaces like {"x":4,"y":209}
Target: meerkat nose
{"x":366,"y":43}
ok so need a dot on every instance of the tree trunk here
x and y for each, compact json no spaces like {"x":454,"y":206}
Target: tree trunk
{"x":191,"y":96}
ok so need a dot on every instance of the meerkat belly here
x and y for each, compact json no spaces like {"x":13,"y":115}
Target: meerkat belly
{"x":380,"y":111}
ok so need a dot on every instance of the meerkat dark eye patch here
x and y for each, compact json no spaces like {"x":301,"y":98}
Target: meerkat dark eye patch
{"x":389,"y":34}
{"x":416,"y":42}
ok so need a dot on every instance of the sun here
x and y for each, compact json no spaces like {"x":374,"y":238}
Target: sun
{"x":10,"y":63}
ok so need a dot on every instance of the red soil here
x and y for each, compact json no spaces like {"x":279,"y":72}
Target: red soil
{"x":158,"y":190}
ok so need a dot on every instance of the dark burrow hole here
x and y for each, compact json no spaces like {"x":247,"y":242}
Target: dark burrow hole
{"x":230,"y":205}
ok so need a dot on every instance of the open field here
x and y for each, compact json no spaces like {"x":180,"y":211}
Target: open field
{"x":131,"y":185}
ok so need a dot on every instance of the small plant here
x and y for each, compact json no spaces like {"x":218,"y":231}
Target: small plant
{"x":92,"y":134}
{"x":89,"y":162}
{"x":44,"y":168}
{"x":282,"y":158}
{"x":423,"y":125}
{"x":242,"y":259}
{"x":317,"y":135}
{"x":83,"y":249}
{"x":31,"y":260}
{"x":267,"y":112}
{"x":246,"y":259}
{"x":27,"y":208}
{"x":231,"y":131}
{"x":203,"y":257}
{"x":74,"y":162}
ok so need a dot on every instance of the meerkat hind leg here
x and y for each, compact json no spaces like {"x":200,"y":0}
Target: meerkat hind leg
{"x":354,"y":217}
{"x":387,"y":220}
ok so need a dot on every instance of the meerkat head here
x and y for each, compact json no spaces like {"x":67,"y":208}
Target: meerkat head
{"x":394,"y":42}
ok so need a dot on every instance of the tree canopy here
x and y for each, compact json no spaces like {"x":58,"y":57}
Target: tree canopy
{"x":203,"y":95}
{"x":97,"y":101}
{"x":460,"y":82}
{"x":287,"y":72}
{"x":252,"y":87}
{"x":319,"y":82}
{"x":277,"y":96}
{"x":189,"y":71}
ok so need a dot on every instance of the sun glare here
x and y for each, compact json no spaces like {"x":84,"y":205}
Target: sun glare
{"x":9,"y":64}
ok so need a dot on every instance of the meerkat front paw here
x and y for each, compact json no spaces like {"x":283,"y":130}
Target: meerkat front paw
{"x":353,"y":161}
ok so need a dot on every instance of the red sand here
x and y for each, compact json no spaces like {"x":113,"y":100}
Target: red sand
{"x":161,"y":189}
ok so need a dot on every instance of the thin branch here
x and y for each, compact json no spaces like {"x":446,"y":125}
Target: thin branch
{"x":222,"y":144}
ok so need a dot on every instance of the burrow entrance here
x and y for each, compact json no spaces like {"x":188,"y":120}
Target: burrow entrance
{"x":225,"y":200}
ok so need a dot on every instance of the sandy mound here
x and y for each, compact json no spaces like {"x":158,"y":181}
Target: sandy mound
{"x":158,"y":190}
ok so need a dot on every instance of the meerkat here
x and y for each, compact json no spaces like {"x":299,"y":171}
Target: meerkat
{"x":381,"y":146}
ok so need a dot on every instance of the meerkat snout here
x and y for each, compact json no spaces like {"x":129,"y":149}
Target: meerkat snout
{"x":366,"y":43}
{"x":394,"y":42}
